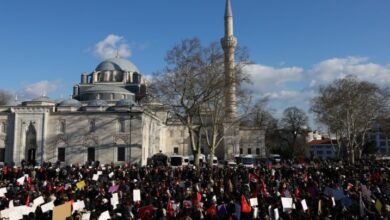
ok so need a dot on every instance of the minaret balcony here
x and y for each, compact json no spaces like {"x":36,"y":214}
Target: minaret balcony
{"x":228,"y":42}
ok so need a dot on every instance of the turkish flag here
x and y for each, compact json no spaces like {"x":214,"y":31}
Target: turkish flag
{"x":245,"y":208}
{"x":28,"y":200}
{"x":170,"y":210}
{"x":146,"y":212}
{"x":253,"y":177}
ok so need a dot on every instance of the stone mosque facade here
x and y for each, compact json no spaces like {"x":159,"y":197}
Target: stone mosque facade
{"x":106,"y":120}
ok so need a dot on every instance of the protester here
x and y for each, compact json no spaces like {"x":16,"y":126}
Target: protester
{"x":291,"y":190}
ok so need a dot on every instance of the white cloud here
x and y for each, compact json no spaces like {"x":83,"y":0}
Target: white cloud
{"x":266,"y":78}
{"x":331,"y":69}
{"x":296,"y":86}
{"x":111,"y":46}
{"x":38,"y":89}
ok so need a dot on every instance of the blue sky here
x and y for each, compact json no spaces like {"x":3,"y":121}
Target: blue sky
{"x":295,"y":45}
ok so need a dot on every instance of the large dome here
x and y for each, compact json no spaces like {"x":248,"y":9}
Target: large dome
{"x":117,"y":64}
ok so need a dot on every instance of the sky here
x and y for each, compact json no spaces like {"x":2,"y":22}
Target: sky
{"x":295,"y":46}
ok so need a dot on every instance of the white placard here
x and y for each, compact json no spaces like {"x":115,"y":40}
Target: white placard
{"x":95,"y":177}
{"x":276,"y":213}
{"x":78,"y":206}
{"x":15,"y":214}
{"x":4,"y":213}
{"x":38,"y":201}
{"x":287,"y":203}
{"x":111,"y":174}
{"x":333,"y":202}
{"x":253,"y":202}
{"x":3,"y":191}
{"x":47,"y":207}
{"x":99,"y":173}
{"x":86,"y":216}
{"x":136,"y":195}
{"x":304,"y":205}
{"x":21,"y":180}
{"x":114,"y":200}
{"x":26,"y":209}
{"x":104,"y":216}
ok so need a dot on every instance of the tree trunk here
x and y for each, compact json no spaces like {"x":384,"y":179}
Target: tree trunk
{"x":196,"y":159}
{"x":352,"y":155}
{"x":211,"y":157}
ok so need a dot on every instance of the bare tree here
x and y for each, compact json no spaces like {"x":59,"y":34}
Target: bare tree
{"x":184,"y":86}
{"x":294,"y":123}
{"x":191,"y":86}
{"x":5,"y":97}
{"x":350,"y":107}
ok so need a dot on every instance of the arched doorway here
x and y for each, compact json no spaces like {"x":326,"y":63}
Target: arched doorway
{"x":31,"y":144}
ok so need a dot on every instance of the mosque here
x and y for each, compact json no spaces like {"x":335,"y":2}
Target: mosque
{"x":107,"y":120}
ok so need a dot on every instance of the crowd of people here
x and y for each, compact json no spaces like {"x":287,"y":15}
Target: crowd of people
{"x":290,"y":190}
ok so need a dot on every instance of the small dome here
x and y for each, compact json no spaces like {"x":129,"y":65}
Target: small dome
{"x":97,"y":103}
{"x":70,"y":103}
{"x":125,"y":103}
{"x":117,"y":64}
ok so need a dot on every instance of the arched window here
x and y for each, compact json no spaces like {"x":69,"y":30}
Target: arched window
{"x":121,"y":125}
{"x":92,"y":125}
{"x":62,"y":126}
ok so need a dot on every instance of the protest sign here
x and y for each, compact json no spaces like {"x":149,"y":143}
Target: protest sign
{"x":304,"y":205}
{"x":136,"y":195}
{"x":86,"y":216}
{"x":3,"y":191}
{"x":104,"y":216}
{"x":38,"y":201}
{"x":47,"y":207}
{"x":61,"y":212}
{"x":113,"y":188}
{"x":80,"y":185}
{"x":253,"y":202}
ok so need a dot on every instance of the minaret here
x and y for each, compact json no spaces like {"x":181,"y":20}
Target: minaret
{"x":229,"y":43}
{"x":231,"y":129}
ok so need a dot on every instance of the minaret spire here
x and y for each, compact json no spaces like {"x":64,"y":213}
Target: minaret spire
{"x":231,"y":129}
{"x":228,"y":19}
{"x":228,"y":9}
{"x":229,"y":43}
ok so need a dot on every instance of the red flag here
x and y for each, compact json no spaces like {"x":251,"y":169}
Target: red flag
{"x":253,"y":177}
{"x":198,"y":199}
{"x":264,"y":189}
{"x":350,"y":185}
{"x":48,"y":187}
{"x":60,"y":189}
{"x":270,"y":166}
{"x":297,"y":192}
{"x":245,"y":208}
{"x":211,"y":211}
{"x":170,"y":210}
{"x":146,"y":212}
{"x":28,"y":200}
{"x":5,"y":170}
